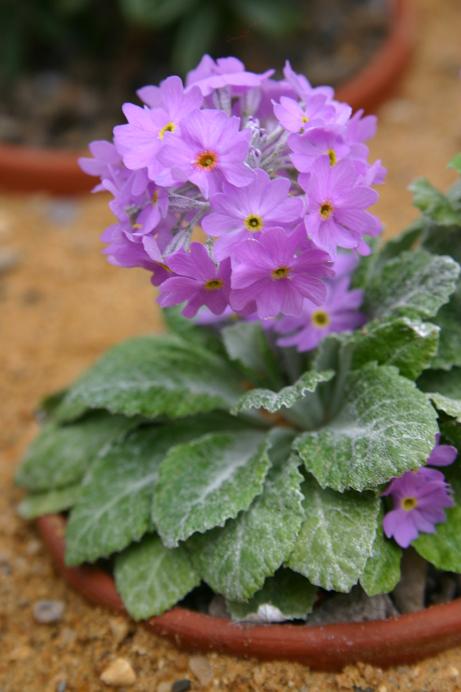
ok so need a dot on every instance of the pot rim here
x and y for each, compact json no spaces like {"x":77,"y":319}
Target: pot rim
{"x":33,"y":169}
{"x":400,"y":640}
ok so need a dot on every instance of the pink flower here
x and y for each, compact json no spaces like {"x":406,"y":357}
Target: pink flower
{"x":210,"y":150}
{"x":336,"y":215}
{"x":276,"y":274}
{"x":420,"y":498}
{"x":197,"y":282}
{"x":296,"y":117}
{"x":224,"y":72}
{"x":239,"y":213}
{"x":339,"y":313}
{"x":141,"y":139}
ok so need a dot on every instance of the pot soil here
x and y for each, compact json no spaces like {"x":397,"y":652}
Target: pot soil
{"x":30,"y":169}
{"x":395,"y":641}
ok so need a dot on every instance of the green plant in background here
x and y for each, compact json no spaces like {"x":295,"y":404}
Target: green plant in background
{"x":56,"y":33}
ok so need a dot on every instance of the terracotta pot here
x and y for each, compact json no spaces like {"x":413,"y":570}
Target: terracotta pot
{"x":25,"y":169}
{"x":395,"y":641}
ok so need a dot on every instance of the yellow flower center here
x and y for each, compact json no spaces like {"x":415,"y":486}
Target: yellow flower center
{"x":206,"y":160}
{"x":155,"y":197}
{"x":253,"y":223}
{"x":169,"y":127}
{"x":326,"y":210}
{"x":332,"y":156}
{"x":280,"y":273}
{"x":214,"y":285}
{"x":409,"y":503}
{"x":305,"y":119}
{"x":320,"y":319}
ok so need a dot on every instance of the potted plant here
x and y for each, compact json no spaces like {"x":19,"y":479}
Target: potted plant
{"x":296,"y":429}
{"x":56,"y":57}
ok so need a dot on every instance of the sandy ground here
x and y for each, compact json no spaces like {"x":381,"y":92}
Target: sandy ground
{"x":61,"y":306}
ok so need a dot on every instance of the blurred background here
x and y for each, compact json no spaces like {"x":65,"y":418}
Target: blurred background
{"x":65,"y":68}
{"x":67,"y":65}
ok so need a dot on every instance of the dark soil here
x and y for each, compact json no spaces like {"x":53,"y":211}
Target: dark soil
{"x":66,"y":107}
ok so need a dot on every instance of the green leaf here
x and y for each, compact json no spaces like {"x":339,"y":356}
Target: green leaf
{"x":382,"y":570}
{"x":336,"y":538}
{"x":444,"y":390}
{"x":443,"y":548}
{"x":443,"y":241}
{"x":115,"y":502}
{"x":273,"y":401}
{"x":207,"y":481}
{"x":156,"y":13}
{"x":235,"y":560}
{"x":247,"y":344}
{"x":449,"y":321}
{"x":456,"y":163}
{"x":188,"y":330}
{"x":37,"y":504}
{"x":285,"y":596}
{"x":410,"y":345}
{"x":415,"y":284}
{"x":269,"y":16}
{"x":195,"y":36}
{"x":154,"y":376}
{"x":151,"y":578}
{"x":60,"y":456}
{"x":451,"y":431}
{"x":433,"y":203}
{"x":385,"y":427}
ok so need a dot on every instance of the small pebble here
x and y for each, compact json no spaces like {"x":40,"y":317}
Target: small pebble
{"x":119,"y":673}
{"x":164,"y":687}
{"x":119,"y":628}
{"x":67,"y":637}
{"x":5,"y":566}
{"x":61,"y":686}
{"x":33,"y":547}
{"x":181,"y":686}
{"x":9,"y":259}
{"x":46,"y":612}
{"x":217,"y":607}
{"x":200,"y":667}
{"x":21,"y":653}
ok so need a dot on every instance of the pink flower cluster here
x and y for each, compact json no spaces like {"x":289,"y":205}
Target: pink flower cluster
{"x":274,"y":173}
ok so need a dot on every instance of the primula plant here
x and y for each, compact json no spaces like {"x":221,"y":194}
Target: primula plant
{"x":298,"y":425}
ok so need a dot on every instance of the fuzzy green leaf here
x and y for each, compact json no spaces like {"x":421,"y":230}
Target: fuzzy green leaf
{"x":449,"y":321}
{"x":151,"y":578}
{"x":60,"y":455}
{"x":154,"y":376}
{"x":415,"y":284}
{"x":444,"y":390}
{"x":456,"y":163}
{"x":336,"y":538}
{"x":246,"y":343}
{"x":235,"y":560}
{"x":207,"y":481}
{"x":115,"y":502}
{"x":286,"y":397}
{"x":410,"y":345}
{"x":285,"y":596}
{"x":38,"y":504}
{"x":385,"y":427}
{"x":443,"y":548}
{"x":442,"y":240}
{"x":433,"y":203}
{"x":382,"y":571}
